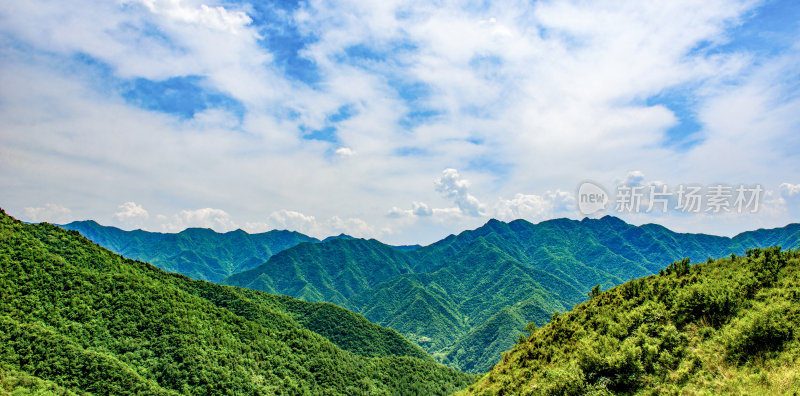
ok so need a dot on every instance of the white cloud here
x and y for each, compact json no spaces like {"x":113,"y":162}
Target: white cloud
{"x":453,"y":187}
{"x":536,"y":207}
{"x":212,"y":17}
{"x":307,"y":224}
{"x":131,"y":212}
{"x":634,"y":178}
{"x":50,"y":212}
{"x":396,"y":213}
{"x":345,"y":152}
{"x":545,"y":94}
{"x":293,"y":220}
{"x":522,"y":206}
{"x":215,"y":219}
{"x":420,"y":209}
{"x":352,"y":226}
{"x":790,"y":189}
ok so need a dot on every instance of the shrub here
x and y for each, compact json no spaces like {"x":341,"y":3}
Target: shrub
{"x":679,"y":268}
{"x":563,"y":381}
{"x":713,"y":302}
{"x":758,"y":332}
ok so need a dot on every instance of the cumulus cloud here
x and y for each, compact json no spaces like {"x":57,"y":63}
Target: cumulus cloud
{"x":307,"y":224}
{"x":131,"y":212}
{"x":522,"y":206}
{"x":453,"y":187}
{"x":215,"y":219}
{"x":634,"y":178}
{"x":396,"y":213}
{"x":345,"y":152}
{"x":418,"y":209}
{"x":352,"y":226}
{"x":526,"y":96}
{"x":535,"y":207}
{"x":50,"y":212}
{"x":789,"y":189}
{"x":293,"y":220}
{"x":217,"y":18}
{"x":636,"y":193}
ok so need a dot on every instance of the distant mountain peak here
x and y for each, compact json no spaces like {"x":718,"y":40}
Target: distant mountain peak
{"x":199,"y":253}
{"x":340,"y":236}
{"x":494,"y":222}
{"x":198,"y":231}
{"x":607,"y":220}
{"x":86,"y":222}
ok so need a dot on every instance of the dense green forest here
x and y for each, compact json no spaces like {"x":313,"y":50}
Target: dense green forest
{"x":728,"y":326}
{"x":464,"y":299}
{"x":467,"y":298}
{"x":75,"y":317}
{"x":198,"y":253}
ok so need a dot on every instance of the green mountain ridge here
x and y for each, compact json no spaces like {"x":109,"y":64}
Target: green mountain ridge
{"x":198,"y":253}
{"x":726,"y":326}
{"x":442,"y":296}
{"x":448,"y":299}
{"x":75,"y":317}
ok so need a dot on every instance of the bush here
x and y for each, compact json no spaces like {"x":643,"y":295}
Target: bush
{"x":563,"y":381}
{"x":713,"y":302}
{"x":679,"y":268}
{"x":759,"y":332}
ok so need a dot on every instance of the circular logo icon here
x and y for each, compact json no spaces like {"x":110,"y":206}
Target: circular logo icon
{"x":591,"y":198}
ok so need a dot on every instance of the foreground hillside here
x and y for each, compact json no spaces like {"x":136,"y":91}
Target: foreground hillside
{"x":726,"y":326}
{"x":75,"y":317}
{"x":467,"y":298}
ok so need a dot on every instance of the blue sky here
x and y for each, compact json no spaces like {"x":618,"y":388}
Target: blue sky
{"x":399,"y":120}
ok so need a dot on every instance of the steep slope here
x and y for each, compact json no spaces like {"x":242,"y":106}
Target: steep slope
{"x":482,"y":342}
{"x":76,"y":317}
{"x":198,"y":253}
{"x":446,"y":296}
{"x":332,"y":271}
{"x":719,"y":327}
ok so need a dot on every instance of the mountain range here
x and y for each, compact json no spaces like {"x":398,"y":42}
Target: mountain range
{"x":464,"y":299}
{"x":198,"y":253}
{"x":76,"y":318}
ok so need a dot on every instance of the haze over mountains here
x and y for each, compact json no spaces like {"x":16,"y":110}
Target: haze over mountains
{"x":464,"y":299}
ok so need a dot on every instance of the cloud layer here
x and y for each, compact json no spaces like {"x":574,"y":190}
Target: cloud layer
{"x":328,"y":117}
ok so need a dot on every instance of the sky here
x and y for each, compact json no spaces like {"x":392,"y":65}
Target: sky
{"x":403,"y":121}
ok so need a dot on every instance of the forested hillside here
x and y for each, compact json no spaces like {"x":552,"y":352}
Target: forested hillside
{"x":467,"y":297}
{"x":728,"y":326}
{"x":198,"y":253}
{"x":75,"y":317}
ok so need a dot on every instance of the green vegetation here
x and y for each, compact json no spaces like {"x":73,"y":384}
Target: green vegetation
{"x":725,"y":326}
{"x":13,"y":382}
{"x":198,"y":253}
{"x":464,"y":299}
{"x":467,"y":298}
{"x":75,"y":317}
